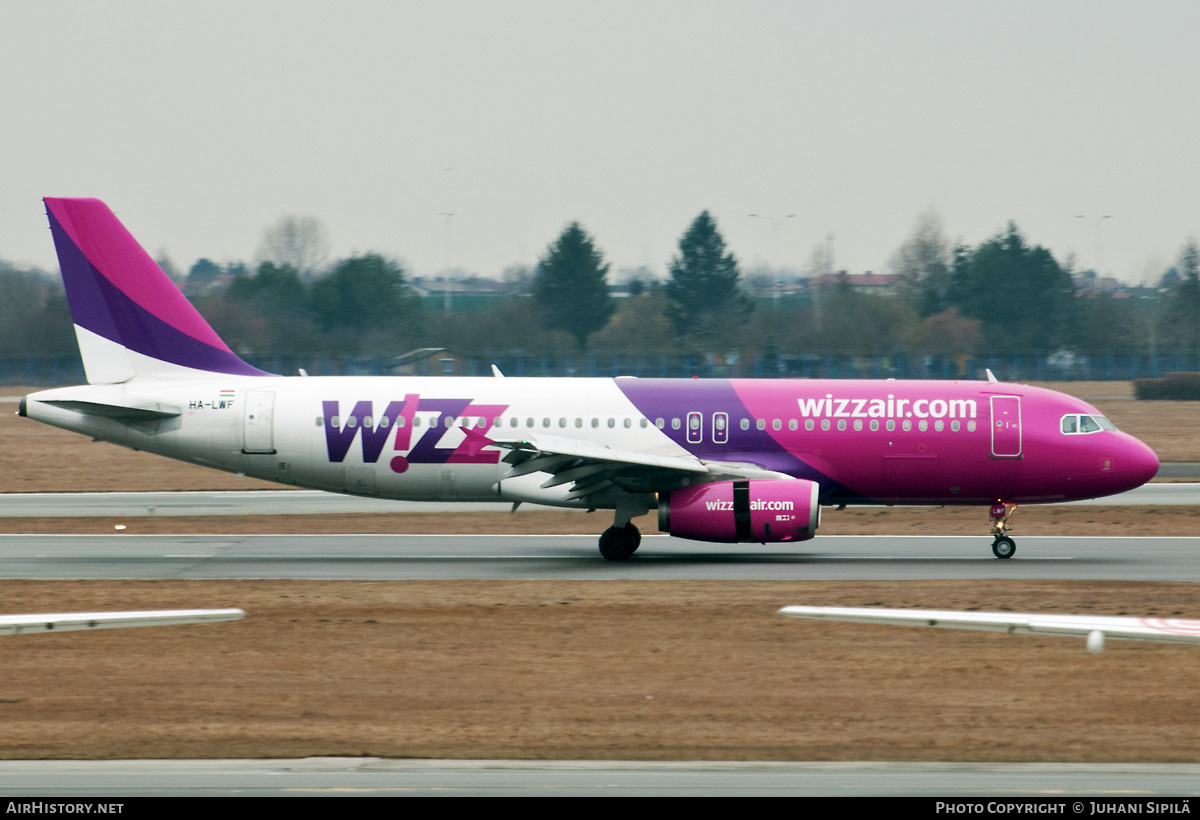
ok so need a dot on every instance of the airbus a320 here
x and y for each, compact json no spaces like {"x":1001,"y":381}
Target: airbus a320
{"x":721,"y":460}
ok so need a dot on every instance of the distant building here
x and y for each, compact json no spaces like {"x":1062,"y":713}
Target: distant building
{"x":883,"y":284}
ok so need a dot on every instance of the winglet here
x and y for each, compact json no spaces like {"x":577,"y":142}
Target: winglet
{"x":130,"y":319}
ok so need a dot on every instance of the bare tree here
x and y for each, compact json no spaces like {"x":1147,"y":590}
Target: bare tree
{"x":923,"y":263}
{"x":296,"y":241}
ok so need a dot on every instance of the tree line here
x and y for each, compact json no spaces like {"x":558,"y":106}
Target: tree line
{"x":1001,"y":297}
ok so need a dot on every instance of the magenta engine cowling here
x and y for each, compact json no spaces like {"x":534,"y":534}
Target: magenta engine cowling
{"x":785,"y":509}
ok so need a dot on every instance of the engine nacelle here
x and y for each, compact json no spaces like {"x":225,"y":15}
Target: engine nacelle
{"x":768,"y":510}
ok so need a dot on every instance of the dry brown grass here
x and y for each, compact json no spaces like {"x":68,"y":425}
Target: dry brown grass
{"x":610,"y":670}
{"x":594,"y":670}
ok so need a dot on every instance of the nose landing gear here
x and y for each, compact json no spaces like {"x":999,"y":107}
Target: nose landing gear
{"x":1002,"y":546}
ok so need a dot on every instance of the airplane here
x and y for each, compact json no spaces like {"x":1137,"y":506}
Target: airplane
{"x":721,"y":460}
{"x":1095,"y":627}
{"x":72,"y":621}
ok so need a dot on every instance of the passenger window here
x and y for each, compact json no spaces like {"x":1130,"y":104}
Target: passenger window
{"x":643,"y":423}
{"x":660,"y":423}
{"x":922,"y":425}
{"x":562,"y":422}
{"x":970,"y":427}
{"x":891,"y":425}
{"x":857,"y":425}
{"x":874,"y":425}
{"x":792,"y":424}
{"x":842,"y":424}
{"x":954,"y":426}
{"x":939,"y":425}
{"x":776,"y":425}
{"x":674,"y":424}
{"x":907,"y":425}
{"x":745,"y":424}
{"x":320,"y":421}
{"x":824,"y":424}
{"x":808,"y":424}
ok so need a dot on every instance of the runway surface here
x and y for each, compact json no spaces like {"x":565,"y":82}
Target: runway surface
{"x":122,"y":556}
{"x":310,"y":502}
{"x":1126,"y":783}
{"x":375,"y":557}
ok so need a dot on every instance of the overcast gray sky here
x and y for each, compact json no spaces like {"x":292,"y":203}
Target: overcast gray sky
{"x":201,"y":124}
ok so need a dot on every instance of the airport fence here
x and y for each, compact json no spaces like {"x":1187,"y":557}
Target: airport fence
{"x":65,"y":370}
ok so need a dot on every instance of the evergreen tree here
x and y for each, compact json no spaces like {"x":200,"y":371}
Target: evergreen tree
{"x":1024,"y":298}
{"x":365,"y":304}
{"x":703,"y":295}
{"x":1183,"y":311}
{"x":570,"y":286}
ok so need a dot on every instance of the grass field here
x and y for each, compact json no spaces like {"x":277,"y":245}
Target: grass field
{"x":591,"y":670}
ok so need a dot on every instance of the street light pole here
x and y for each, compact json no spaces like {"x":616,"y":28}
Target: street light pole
{"x":446,"y":275}
{"x":775,"y":223}
{"x":1099,"y":221}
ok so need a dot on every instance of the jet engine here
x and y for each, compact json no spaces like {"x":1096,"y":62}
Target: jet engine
{"x":767,"y":510}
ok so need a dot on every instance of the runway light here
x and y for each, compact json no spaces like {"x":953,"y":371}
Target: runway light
{"x":119,"y":527}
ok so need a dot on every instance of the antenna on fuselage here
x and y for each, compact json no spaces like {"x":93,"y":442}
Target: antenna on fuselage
{"x":991,"y":376}
{"x":496,"y":372}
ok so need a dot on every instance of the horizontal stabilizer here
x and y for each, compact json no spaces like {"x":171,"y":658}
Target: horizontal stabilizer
{"x":154,"y":410}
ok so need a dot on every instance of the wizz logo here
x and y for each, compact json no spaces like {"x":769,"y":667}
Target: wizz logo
{"x":400,"y":416}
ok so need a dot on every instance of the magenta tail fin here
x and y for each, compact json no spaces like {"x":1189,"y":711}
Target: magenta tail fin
{"x":130,"y":318}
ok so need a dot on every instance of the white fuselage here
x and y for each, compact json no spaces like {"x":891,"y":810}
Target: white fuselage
{"x":336,"y":434}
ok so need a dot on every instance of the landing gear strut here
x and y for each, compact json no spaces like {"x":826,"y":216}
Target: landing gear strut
{"x":1002,"y":546}
{"x":622,"y":539}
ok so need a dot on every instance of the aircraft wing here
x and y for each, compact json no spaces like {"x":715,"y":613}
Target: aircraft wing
{"x":70,"y":621}
{"x":591,"y":467}
{"x":1165,"y":630}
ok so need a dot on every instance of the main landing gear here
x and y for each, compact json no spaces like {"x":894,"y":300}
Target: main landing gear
{"x":1002,"y":546}
{"x":622,"y":539}
{"x":618,"y":543}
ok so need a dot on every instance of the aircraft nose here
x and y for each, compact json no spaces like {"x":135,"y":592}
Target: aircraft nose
{"x":1141,"y":461}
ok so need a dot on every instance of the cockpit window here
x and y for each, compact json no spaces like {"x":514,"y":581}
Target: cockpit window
{"x":1079,"y":424}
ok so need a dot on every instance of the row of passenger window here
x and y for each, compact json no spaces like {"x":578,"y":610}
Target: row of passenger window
{"x":472,"y":421}
{"x":890,"y":425}
{"x":777,"y":424}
